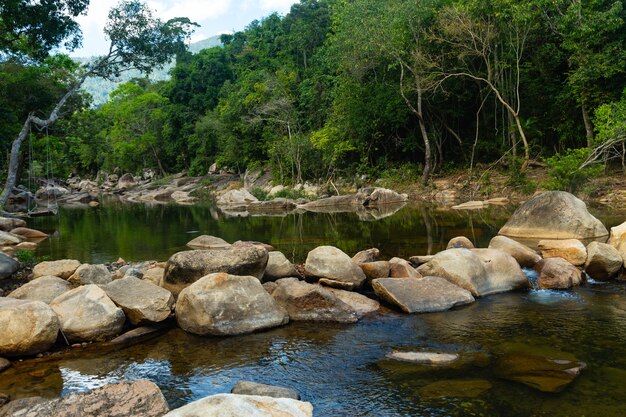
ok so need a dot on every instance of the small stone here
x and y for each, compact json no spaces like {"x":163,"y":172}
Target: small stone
{"x":427,"y":358}
{"x":253,"y":388}
{"x":460,"y":242}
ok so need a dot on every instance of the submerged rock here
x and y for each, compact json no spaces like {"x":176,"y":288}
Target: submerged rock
{"x":554,"y":215}
{"x":125,"y":399}
{"x":43,"y":289}
{"x":222,"y":405}
{"x":28,"y":327}
{"x":333,"y":264}
{"x":425,"y":295}
{"x":223,"y":305}
{"x":264,"y":390}
{"x":428,"y":358}
{"x":456,"y":388}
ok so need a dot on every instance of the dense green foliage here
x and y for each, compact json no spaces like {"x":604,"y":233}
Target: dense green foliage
{"x":346,"y":87}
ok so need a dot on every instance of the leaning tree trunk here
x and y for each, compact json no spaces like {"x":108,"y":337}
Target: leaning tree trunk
{"x":588,"y":125}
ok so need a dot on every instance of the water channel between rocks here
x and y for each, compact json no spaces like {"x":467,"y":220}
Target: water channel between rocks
{"x":341,"y":368}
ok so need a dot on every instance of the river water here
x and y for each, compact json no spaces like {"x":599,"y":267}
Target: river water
{"x":341,"y":369}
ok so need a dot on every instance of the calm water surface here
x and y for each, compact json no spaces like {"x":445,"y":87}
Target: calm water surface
{"x":341,"y":368}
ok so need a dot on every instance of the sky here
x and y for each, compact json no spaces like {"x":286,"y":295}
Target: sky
{"x":214,"y":17}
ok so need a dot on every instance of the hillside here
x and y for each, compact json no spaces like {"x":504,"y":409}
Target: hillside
{"x":99,"y":88}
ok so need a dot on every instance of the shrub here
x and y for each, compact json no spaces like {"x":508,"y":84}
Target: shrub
{"x":565,"y":172}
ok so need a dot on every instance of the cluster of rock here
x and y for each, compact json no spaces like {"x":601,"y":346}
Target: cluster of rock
{"x":144,"y":398}
{"x":14,"y":236}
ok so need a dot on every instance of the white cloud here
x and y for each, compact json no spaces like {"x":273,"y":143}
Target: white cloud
{"x":195,"y":10}
{"x":276,"y":5}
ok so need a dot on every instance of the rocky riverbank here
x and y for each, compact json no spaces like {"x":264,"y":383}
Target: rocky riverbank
{"x":222,"y":289}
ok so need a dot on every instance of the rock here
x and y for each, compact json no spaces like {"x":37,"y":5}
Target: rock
{"x":358,"y":302}
{"x":334,"y":265}
{"x":558,"y":274}
{"x":13,"y":408}
{"x":184,"y":268}
{"x":223,"y":405}
{"x":309,"y":302}
{"x":93,"y":204}
{"x":62,"y":269}
{"x":154,"y":275}
{"x":459,"y":266}
{"x":572,"y":250}
{"x":455,"y":388}
{"x":603,"y":261}
{"x":553,"y":215}
{"x":223,"y":305}
{"x":278,"y":266}
{"x":208,"y":242}
{"x":373,"y":270}
{"x":525,"y":256}
{"x":365,"y":256}
{"x":28,"y":233}
{"x":276,"y":189}
{"x":138,"y":334}
{"x":183,"y":197}
{"x":503,"y":271}
{"x":4,"y":364}
{"x":548,"y":373}
{"x":91,"y":274}
{"x":26,"y":246}
{"x":126,"y":182}
{"x":44,"y":289}
{"x":421,"y":295}
{"x":428,"y":358}
{"x":420,"y":259}
{"x":617,"y":236}
{"x":87,"y":314}
{"x":331,"y":204}
{"x":270,"y":287}
{"x":470,"y":205}
{"x":213,"y":169}
{"x":253,"y":388}
{"x":9,"y":239}
{"x":399,"y":268}
{"x":143,"y":302}
{"x":125,"y":399}
{"x":236,"y":198}
{"x":277,"y":205}
{"x":50,"y":192}
{"x":374,"y":196}
{"x":498,"y":201}
{"x":28,"y":327}
{"x":133,"y":272}
{"x":8,"y":223}
{"x":460,"y":242}
{"x":8,"y":266}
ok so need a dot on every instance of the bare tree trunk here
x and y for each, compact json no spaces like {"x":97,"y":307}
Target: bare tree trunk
{"x":158,"y":161}
{"x":588,"y":125}
{"x":512,"y":135}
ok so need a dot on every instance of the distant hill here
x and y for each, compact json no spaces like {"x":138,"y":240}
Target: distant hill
{"x":99,"y":88}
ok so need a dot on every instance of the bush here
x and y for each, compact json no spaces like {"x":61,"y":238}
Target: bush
{"x":26,"y":257}
{"x":565,"y":172}
{"x":259,"y":193}
{"x":518,"y":177}
{"x":290,"y":193}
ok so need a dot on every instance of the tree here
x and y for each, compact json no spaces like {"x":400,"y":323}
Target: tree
{"x":138,"y":41}
{"x":33,"y":28}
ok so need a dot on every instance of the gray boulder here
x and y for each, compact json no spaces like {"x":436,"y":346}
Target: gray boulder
{"x":142,"y":301}
{"x":87,"y":314}
{"x":28,"y":327}
{"x":525,"y":256}
{"x":44,"y":289}
{"x":8,"y":266}
{"x":9,"y":223}
{"x":278,"y":266}
{"x":554,"y":215}
{"x":9,"y":239}
{"x":503,"y":271}
{"x":461,"y":267}
{"x":236,"y":198}
{"x":333,"y":265}
{"x":603,"y":261}
{"x":184,"y":268}
{"x":226,"y":405}
{"x":421,"y":295}
{"x":264,"y":390}
{"x":91,"y":274}
{"x":310,"y":302}
{"x":375,"y":196}
{"x":358,"y":302}
{"x":223,"y":305}
{"x":125,"y":399}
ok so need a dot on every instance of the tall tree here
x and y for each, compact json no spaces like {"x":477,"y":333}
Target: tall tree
{"x":138,"y":40}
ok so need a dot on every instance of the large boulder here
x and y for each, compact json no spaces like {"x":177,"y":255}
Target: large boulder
{"x":375,"y":196}
{"x":525,"y":256}
{"x":9,"y":223}
{"x":421,"y":295}
{"x":278,"y":266}
{"x":63,"y":268}
{"x":264,"y":390}
{"x":8,"y":266}
{"x":208,"y":242}
{"x":223,"y":405}
{"x":365,"y":256}
{"x":554,"y":215}
{"x":44,"y":289}
{"x":373,"y":270}
{"x":87,"y":314}
{"x":142,"y":301}
{"x":125,"y":399}
{"x":222,"y":305}
{"x":28,"y":327}
{"x":603,"y":261}
{"x":618,"y":235}
{"x":184,"y":268}
{"x":91,"y":274}
{"x":27,"y":233}
{"x":358,"y":302}
{"x":558,"y":274}
{"x":459,"y":266}
{"x":236,"y":198}
{"x":503,"y":271}
{"x":334,"y":266}
{"x":572,"y":250}
{"x":310,"y":302}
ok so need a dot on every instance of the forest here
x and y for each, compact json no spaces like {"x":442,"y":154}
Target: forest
{"x":338,"y":89}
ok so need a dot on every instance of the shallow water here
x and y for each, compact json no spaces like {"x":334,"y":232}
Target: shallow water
{"x":341,"y":368}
